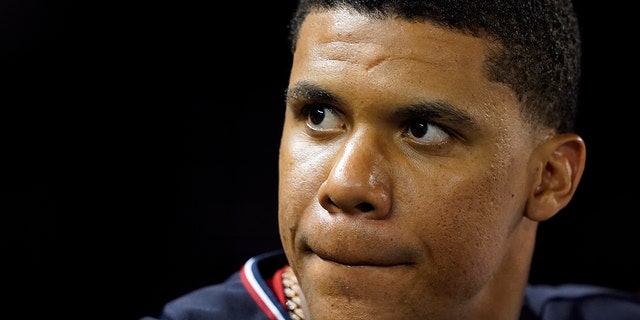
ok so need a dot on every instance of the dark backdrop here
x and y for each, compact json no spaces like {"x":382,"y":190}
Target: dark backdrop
{"x":139,"y":142}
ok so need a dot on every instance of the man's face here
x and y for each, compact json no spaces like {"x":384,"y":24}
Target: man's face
{"x":403,"y":170}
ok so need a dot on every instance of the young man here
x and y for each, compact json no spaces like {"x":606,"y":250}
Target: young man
{"x":423,"y":143}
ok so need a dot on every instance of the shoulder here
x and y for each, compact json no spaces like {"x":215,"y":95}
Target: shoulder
{"x":244,"y":295}
{"x":579,"y":302}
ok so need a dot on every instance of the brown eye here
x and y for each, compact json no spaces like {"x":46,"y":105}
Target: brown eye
{"x":424,"y":131}
{"x":316,"y":115}
{"x":322,"y":118}
{"x":418,"y":129}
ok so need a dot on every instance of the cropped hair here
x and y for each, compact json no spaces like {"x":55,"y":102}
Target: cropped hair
{"x":538,"y":52}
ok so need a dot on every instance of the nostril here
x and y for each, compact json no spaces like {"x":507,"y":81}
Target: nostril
{"x":365,"y":207}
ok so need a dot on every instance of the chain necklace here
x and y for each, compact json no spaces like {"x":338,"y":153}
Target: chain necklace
{"x":293,"y":301}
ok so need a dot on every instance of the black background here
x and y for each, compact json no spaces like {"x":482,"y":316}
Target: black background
{"x":139,"y":142}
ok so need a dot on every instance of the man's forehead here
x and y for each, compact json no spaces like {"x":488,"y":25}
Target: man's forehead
{"x":343,"y":34}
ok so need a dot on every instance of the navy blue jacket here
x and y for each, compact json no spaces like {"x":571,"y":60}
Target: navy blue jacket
{"x":247,"y":295}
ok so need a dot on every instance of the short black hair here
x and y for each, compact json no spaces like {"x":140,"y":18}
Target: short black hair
{"x":538,"y":53}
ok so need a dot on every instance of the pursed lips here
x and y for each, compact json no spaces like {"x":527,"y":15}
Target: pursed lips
{"x":362,"y":256}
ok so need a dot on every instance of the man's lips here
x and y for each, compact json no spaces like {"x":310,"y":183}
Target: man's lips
{"x":350,"y":241}
{"x":373,"y":252}
{"x":355,"y":261}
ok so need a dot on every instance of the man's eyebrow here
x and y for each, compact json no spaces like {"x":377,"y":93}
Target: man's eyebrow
{"x":308,"y":91}
{"x":440,"y":111}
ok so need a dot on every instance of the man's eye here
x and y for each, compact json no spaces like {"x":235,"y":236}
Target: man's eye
{"x":426,"y":132}
{"x":323,"y":118}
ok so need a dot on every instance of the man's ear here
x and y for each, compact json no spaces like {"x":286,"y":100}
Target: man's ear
{"x":558,"y":164}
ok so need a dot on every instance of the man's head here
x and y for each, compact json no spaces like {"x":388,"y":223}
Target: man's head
{"x":422,"y":144}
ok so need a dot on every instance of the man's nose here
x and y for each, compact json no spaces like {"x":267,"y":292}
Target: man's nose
{"x":358,"y":183}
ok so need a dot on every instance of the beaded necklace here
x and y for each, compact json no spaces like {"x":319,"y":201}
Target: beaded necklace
{"x":293,"y":301}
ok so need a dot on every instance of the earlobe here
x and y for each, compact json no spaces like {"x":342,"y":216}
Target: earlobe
{"x":558,"y":166}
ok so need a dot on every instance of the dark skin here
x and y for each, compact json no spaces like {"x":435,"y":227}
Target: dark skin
{"x":410,"y":185}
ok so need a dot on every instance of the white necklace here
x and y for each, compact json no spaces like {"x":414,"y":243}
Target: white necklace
{"x":293,"y":301}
